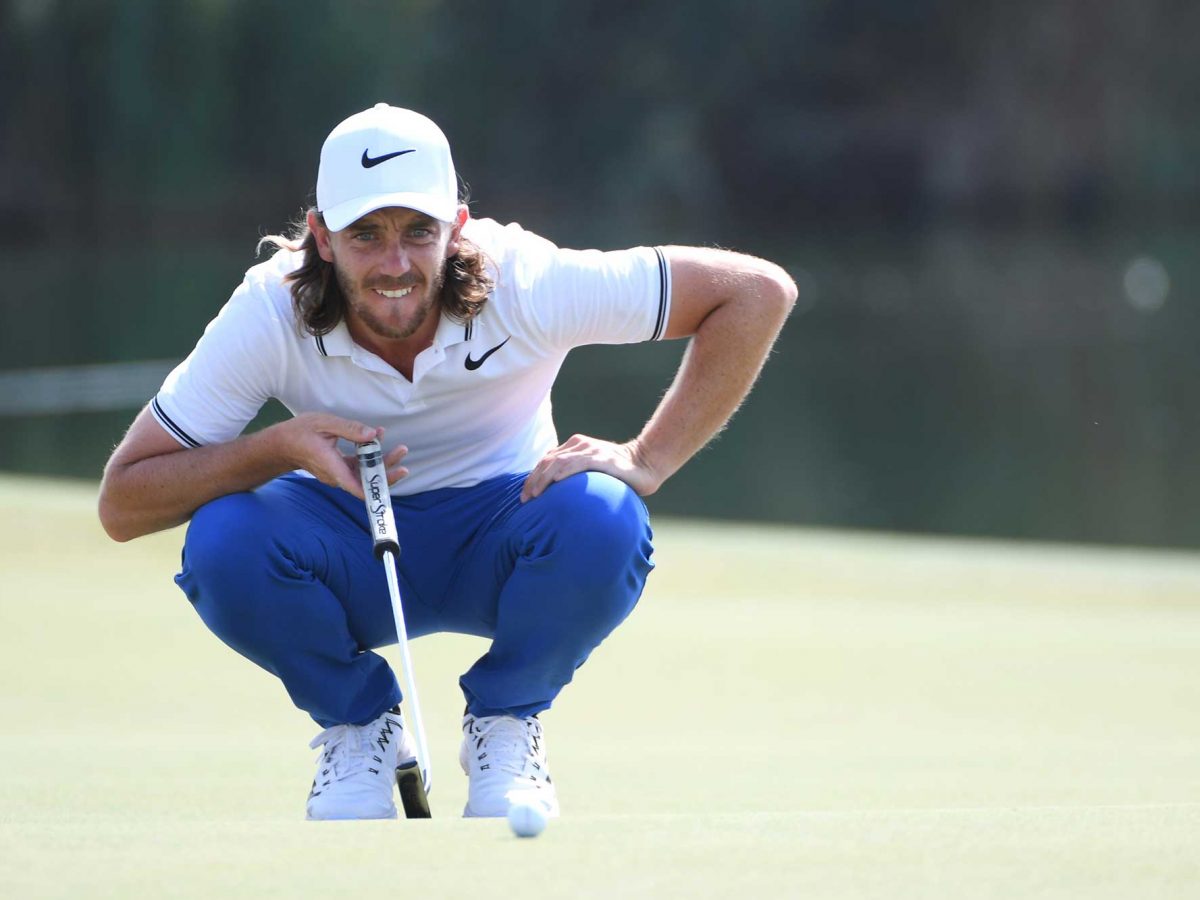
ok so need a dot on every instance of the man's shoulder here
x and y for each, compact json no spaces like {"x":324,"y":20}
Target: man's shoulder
{"x":516,"y":257}
{"x":264,"y":286}
{"x":260,"y":308}
{"x":506,"y":241}
{"x":272,"y":270}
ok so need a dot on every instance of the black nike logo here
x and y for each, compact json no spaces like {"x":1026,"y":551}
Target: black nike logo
{"x":368,"y":161}
{"x":473,"y":364}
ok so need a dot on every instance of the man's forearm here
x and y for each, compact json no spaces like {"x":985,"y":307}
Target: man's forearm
{"x":148,"y":495}
{"x":719,"y":367}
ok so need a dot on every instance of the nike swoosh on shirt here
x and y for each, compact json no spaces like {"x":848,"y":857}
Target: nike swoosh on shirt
{"x":473,"y":364}
{"x":369,"y":161}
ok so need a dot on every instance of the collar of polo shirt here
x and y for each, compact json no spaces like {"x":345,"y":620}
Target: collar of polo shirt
{"x":339,"y":342}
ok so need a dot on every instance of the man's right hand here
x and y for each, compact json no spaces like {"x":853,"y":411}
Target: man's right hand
{"x":309,"y":442}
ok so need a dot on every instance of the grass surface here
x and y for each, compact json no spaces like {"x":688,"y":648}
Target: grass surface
{"x":787,"y":713}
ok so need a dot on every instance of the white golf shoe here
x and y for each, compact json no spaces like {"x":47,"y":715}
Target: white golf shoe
{"x":356,"y":772}
{"x":505,"y":759}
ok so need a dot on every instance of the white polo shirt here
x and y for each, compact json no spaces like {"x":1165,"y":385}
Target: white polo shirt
{"x":478,"y":405}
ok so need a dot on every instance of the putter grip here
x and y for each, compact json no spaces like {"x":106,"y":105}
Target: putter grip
{"x":379,"y":501}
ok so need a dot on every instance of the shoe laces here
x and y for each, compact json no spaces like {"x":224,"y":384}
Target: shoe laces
{"x":510,"y":745}
{"x":349,"y":749}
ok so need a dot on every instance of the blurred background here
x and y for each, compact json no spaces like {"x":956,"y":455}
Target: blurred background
{"x":991,"y":211}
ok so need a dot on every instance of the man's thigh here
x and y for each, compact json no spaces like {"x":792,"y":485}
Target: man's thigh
{"x":448,"y":555}
{"x":244,"y":552}
{"x":587,"y":522}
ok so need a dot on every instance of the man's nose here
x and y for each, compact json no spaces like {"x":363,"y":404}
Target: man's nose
{"x":395,"y":259}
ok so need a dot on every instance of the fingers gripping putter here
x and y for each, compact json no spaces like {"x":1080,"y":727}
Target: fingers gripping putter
{"x":412,"y":776}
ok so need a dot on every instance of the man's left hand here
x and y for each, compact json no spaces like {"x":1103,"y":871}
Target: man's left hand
{"x":581,"y":453}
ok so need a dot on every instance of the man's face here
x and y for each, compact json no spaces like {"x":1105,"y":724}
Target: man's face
{"x":390,"y":265}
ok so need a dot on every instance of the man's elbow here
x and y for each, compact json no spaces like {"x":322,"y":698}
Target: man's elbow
{"x":777,"y":289}
{"x":114,"y":519}
{"x":113,"y":526}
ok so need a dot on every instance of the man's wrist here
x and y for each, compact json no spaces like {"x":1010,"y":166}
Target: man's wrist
{"x":271,"y":449}
{"x":643,"y":457}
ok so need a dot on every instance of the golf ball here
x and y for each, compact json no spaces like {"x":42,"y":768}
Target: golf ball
{"x":527,"y":819}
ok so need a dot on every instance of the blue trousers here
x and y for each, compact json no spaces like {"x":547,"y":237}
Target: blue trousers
{"x":286,"y":576}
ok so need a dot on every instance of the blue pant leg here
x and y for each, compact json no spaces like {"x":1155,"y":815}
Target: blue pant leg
{"x":285,"y":576}
{"x":574,"y":562}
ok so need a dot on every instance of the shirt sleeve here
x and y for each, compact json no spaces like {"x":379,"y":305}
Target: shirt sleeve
{"x":212,"y":395}
{"x":577,"y":297}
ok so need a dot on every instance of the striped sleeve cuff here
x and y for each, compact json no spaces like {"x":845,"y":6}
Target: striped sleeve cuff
{"x":664,"y":296}
{"x":166,"y":422}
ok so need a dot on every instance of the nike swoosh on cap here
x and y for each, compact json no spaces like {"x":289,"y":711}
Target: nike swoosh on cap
{"x":369,"y":161}
{"x":473,"y":364}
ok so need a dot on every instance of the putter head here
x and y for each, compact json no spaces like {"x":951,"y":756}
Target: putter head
{"x":413,"y":795}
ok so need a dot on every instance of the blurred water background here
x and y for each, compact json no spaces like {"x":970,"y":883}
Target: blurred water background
{"x":991,"y":211}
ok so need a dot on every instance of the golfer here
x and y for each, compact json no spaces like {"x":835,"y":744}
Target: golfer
{"x":390,"y":313}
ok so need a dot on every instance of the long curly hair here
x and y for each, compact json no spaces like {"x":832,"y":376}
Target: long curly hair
{"x":317,"y":296}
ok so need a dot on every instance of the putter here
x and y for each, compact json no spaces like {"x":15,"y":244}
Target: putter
{"x":412,"y":776}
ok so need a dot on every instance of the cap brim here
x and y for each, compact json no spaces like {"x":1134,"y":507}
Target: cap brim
{"x":338,"y":217}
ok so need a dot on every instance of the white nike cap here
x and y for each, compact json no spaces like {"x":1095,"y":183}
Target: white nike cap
{"x":385,"y":156}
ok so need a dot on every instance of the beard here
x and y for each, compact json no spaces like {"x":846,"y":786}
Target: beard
{"x":385,"y":317}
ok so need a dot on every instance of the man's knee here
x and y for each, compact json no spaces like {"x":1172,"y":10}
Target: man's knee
{"x":236,"y":570}
{"x":601,"y":517}
{"x":225,"y":535}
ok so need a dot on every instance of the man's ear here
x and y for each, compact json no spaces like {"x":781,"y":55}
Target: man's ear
{"x":460,"y":219}
{"x":321,"y":234}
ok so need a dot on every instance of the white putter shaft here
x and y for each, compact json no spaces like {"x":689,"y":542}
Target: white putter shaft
{"x":387,"y":549}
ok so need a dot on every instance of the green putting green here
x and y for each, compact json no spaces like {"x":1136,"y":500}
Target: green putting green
{"x":789,"y":712}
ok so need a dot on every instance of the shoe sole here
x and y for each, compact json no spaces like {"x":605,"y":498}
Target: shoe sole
{"x":349,"y":818}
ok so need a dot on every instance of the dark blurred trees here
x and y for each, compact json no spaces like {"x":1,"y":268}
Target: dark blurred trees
{"x":172,"y":117}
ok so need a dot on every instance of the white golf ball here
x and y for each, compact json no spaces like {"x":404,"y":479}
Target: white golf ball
{"x":527,"y":819}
